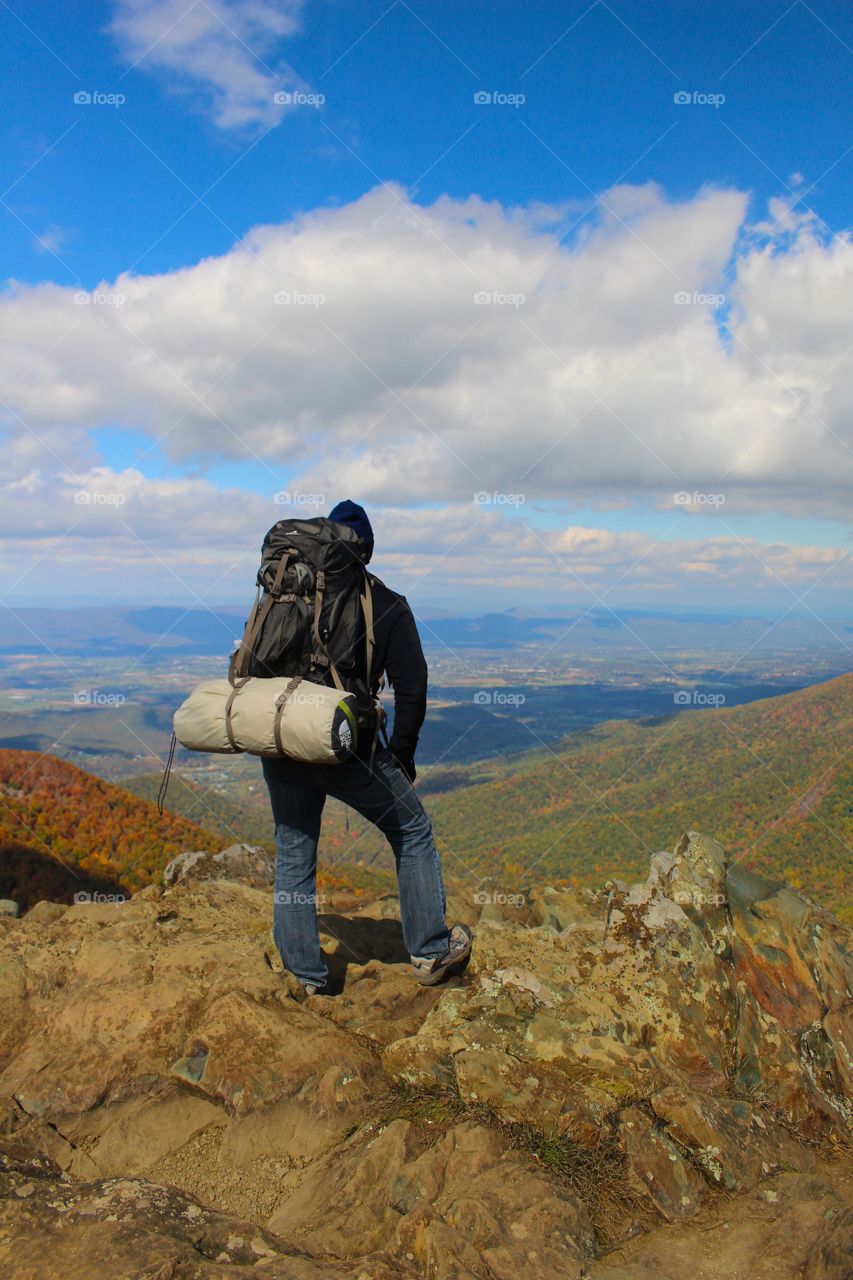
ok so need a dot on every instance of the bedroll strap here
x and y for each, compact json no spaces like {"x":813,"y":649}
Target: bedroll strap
{"x":228,"y":705}
{"x":280,"y":704}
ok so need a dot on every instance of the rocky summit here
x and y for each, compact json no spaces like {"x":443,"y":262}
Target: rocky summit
{"x":650,"y":1082}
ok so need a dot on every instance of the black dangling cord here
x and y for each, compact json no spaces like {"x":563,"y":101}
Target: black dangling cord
{"x":164,"y":785}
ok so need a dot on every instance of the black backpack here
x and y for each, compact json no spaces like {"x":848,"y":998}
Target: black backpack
{"x":313,"y":591}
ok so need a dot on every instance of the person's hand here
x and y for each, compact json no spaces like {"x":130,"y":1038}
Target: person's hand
{"x":407,"y":764}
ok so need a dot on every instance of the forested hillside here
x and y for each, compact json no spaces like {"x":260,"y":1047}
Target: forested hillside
{"x":64,"y":831}
{"x":772,"y":780}
{"x":57,"y":821}
{"x":236,"y":817}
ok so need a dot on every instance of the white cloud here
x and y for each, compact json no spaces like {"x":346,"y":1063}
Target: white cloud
{"x":52,"y":240}
{"x":382,"y":376}
{"x":185,"y":537}
{"x":216,"y":50}
{"x":596,"y":386}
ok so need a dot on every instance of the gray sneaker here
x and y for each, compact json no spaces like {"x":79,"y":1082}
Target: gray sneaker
{"x":300,"y":991}
{"x":430,"y":970}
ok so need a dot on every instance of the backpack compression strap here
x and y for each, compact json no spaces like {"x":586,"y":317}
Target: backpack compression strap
{"x":367,"y":606}
{"x":318,"y":605}
{"x":256,"y":620}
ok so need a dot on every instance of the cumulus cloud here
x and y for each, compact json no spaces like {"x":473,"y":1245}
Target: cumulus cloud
{"x":585,"y":564}
{"x":668,"y":354}
{"x":186,"y":537}
{"x":464,"y":347}
{"x":215,"y":51}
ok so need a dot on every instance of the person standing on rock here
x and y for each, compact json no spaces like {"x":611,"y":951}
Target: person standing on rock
{"x":377,"y":781}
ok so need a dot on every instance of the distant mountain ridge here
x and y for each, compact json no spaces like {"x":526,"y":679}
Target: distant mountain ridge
{"x":121,"y":630}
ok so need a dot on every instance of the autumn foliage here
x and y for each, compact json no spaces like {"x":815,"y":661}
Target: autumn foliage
{"x":56,"y":822}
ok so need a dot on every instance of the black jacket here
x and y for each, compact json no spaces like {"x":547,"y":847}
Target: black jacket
{"x":398,"y":654}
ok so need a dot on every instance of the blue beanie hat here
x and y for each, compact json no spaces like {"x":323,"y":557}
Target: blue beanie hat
{"x":351,"y":514}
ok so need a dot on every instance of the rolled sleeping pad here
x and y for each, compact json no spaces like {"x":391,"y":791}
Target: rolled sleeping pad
{"x":285,"y":715}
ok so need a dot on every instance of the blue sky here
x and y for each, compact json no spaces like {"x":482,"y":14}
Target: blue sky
{"x":159,"y":190}
{"x":399,"y":82}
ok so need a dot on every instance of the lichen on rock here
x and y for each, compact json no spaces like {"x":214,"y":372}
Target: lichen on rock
{"x":167,"y":1109}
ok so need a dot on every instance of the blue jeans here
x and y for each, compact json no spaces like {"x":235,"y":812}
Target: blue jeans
{"x":383,"y":795}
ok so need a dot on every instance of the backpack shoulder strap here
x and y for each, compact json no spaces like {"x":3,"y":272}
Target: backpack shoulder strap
{"x":370,"y":637}
{"x":367,"y":608}
{"x":237,"y":668}
{"x":319,"y":592}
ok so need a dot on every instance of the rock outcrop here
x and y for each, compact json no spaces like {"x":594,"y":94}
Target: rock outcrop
{"x":616,"y":1076}
{"x":244,"y":862}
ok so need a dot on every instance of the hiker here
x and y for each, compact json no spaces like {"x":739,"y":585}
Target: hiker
{"x":377,"y":781}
